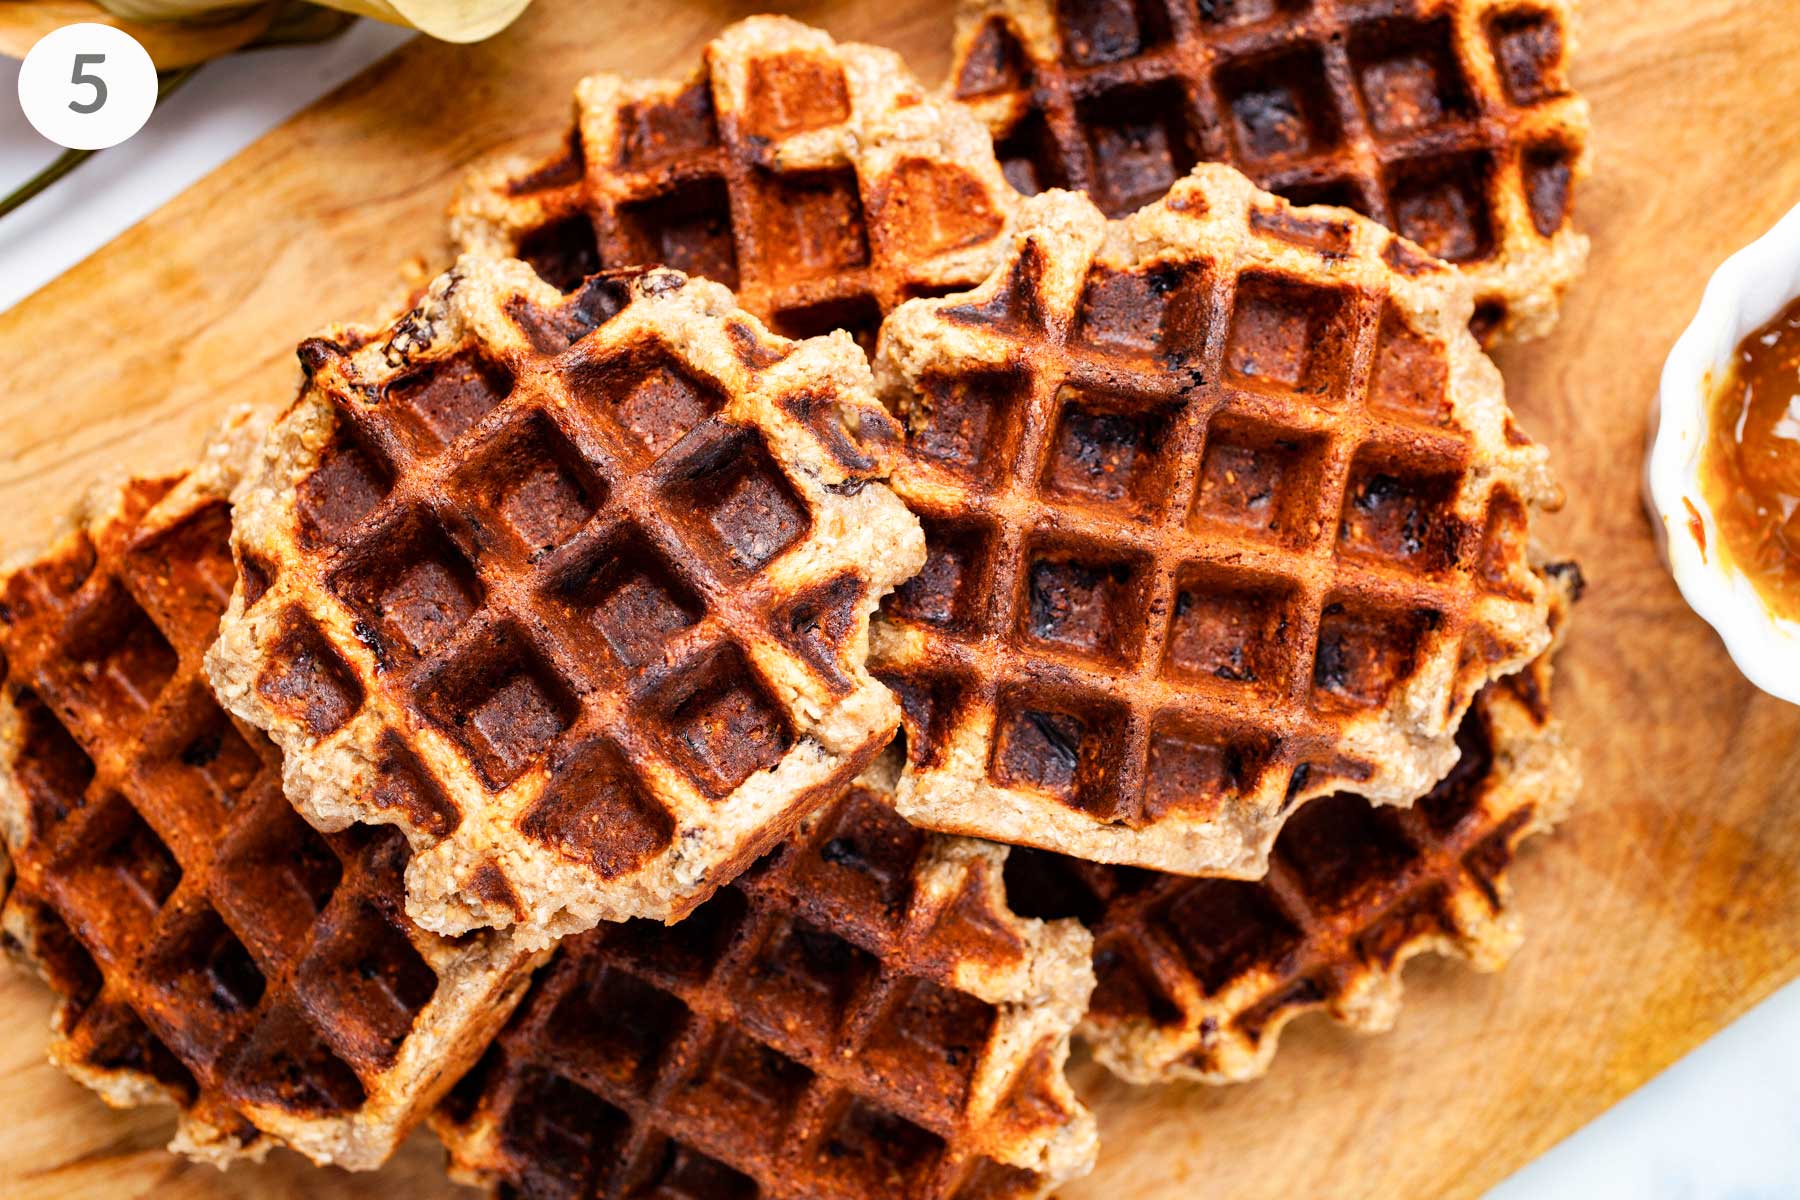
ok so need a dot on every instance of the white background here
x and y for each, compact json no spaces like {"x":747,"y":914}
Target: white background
{"x":1723,"y":1124}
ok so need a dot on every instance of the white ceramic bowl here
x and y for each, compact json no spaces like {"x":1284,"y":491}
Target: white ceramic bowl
{"x":1753,"y":286}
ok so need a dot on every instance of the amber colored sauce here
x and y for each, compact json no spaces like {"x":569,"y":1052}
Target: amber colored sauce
{"x":1750,"y":469}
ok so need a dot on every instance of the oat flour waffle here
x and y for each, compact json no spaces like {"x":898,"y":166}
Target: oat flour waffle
{"x":573,"y":590}
{"x":1225,"y":511}
{"x":818,"y":180}
{"x":1451,"y":121}
{"x":860,"y":1008}
{"x":1197,"y":977}
{"x":208,"y":948}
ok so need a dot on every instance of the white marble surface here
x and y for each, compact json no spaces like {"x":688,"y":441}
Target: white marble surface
{"x":1722,"y":1124}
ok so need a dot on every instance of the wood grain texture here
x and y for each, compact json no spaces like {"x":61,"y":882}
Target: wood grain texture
{"x":1668,"y":905}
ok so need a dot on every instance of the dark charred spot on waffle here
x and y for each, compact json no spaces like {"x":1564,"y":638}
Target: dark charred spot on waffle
{"x":816,"y":625}
{"x":928,"y":207}
{"x":927,"y":1045}
{"x":1365,"y":652}
{"x":1568,"y":575}
{"x":500,"y":701}
{"x":1260,"y":480}
{"x":717,"y":721}
{"x":1330,"y":239}
{"x":410,"y":585}
{"x":821,"y":412}
{"x":257,"y":576}
{"x":275,"y":877}
{"x":653,"y":131}
{"x":1342,"y":850}
{"x":1299,"y":995}
{"x":1280,"y":105}
{"x":1490,"y":314}
{"x":1399,"y":512}
{"x":687,"y":228}
{"x":1084,"y":604}
{"x":685,"y":953}
{"x":560,"y":1135}
{"x":1411,"y":376}
{"x":530,"y":486}
{"x":562,"y":171}
{"x":735,"y":502}
{"x":1111,"y":450}
{"x":802,"y":982}
{"x":1528,"y":53}
{"x":1548,"y":175}
{"x":563,"y":252}
{"x":1291,"y":335}
{"x":199,"y":759}
{"x":1138,"y":140}
{"x":52,"y":771}
{"x":346,"y":485}
{"x":1441,"y":203}
{"x":1417,"y":915}
{"x":1030,"y":158}
{"x":680,"y":1171}
{"x":1225,"y":929}
{"x":866,"y":1148}
{"x":994,"y":62}
{"x":647,"y":393}
{"x":315,"y":353}
{"x":1161,"y":312}
{"x":435,"y":404}
{"x":191,"y":563}
{"x":1067,"y":751}
{"x":968,"y":424}
{"x":931,"y":707}
{"x":1125,"y":986}
{"x":617,"y":1026}
{"x":211,"y":983}
{"x":307,"y":680}
{"x":627,"y":593}
{"x":121,"y":661}
{"x":1489,"y":858}
{"x":594,"y":811}
{"x":1407,"y":259}
{"x":1044,"y":886}
{"x":1106,"y":31}
{"x":810,"y":224}
{"x":57,"y":952}
{"x":286,"y":1065}
{"x":488,"y":884}
{"x":793,"y":92}
{"x":369,"y":982}
{"x":950,"y":590}
{"x":866,"y":858}
{"x":1196,"y":771}
{"x":116,"y":1039}
{"x":1456,"y":797}
{"x":752,"y":348}
{"x":1017,"y":304}
{"x":402,"y":785}
{"x":1231,"y":630}
{"x":1409,"y":76}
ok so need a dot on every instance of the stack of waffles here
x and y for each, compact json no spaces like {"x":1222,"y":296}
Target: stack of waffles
{"x":840,"y":591}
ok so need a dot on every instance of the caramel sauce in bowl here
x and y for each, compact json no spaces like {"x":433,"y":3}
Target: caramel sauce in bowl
{"x":1722,"y":481}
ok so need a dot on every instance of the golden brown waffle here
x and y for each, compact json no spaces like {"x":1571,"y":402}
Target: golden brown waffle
{"x":1450,"y":121}
{"x":1225,"y":511}
{"x":208,"y":948}
{"x":818,"y":180}
{"x":1197,"y":977}
{"x":859,"y":1015}
{"x":575,"y":591}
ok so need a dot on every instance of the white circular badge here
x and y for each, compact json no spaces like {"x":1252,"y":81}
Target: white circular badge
{"x":87,"y":86}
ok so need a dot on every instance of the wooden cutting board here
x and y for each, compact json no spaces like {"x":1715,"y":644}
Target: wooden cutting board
{"x":1667,"y":906}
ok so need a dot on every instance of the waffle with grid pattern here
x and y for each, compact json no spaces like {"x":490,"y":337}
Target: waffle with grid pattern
{"x":573,"y":589}
{"x":1224,"y":511}
{"x":858,"y":1015}
{"x":818,"y":180}
{"x":207,"y":947}
{"x":1197,"y":977}
{"x":1450,"y":121}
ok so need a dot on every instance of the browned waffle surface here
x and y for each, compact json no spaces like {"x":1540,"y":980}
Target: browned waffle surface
{"x":573,"y":590}
{"x":1451,"y":121}
{"x":818,"y":180}
{"x":859,"y":1015}
{"x":1225,"y":510}
{"x":1197,"y":977}
{"x":208,"y":948}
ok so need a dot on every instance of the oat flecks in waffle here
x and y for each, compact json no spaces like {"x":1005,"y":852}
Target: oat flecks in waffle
{"x":859,"y":1009}
{"x":1225,"y":511}
{"x":1197,"y":977}
{"x":573,"y":590}
{"x":1450,"y":121}
{"x":818,"y":180}
{"x":208,"y":948}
